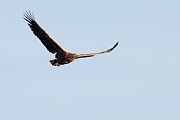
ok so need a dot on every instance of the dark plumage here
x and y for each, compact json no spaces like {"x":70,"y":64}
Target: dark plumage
{"x":62,"y":57}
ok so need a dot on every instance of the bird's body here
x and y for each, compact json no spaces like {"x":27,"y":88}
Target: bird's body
{"x":62,"y":57}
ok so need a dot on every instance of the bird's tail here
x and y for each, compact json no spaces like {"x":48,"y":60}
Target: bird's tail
{"x":95,"y":54}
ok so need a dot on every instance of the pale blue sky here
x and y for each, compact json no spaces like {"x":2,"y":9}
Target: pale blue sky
{"x":139,"y":80}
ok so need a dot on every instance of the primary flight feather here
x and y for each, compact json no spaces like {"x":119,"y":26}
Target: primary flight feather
{"x":62,"y":57}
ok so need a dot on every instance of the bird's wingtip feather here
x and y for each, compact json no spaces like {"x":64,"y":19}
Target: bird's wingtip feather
{"x":115,"y":46}
{"x":29,"y":16}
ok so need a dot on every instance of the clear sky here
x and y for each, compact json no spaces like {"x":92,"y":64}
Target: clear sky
{"x":139,"y":80}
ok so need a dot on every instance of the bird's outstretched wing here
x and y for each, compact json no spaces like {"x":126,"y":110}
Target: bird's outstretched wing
{"x":47,"y":41}
{"x":95,"y":54}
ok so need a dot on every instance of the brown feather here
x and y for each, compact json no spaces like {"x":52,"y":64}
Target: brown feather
{"x":95,"y":54}
{"x":47,"y":41}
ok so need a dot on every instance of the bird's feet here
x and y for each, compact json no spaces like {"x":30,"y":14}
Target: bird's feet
{"x":54,"y":62}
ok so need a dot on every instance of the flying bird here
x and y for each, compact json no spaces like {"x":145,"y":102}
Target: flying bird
{"x":61,"y":56}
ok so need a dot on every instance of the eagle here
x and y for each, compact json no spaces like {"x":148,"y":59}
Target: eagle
{"x":61,"y":56}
